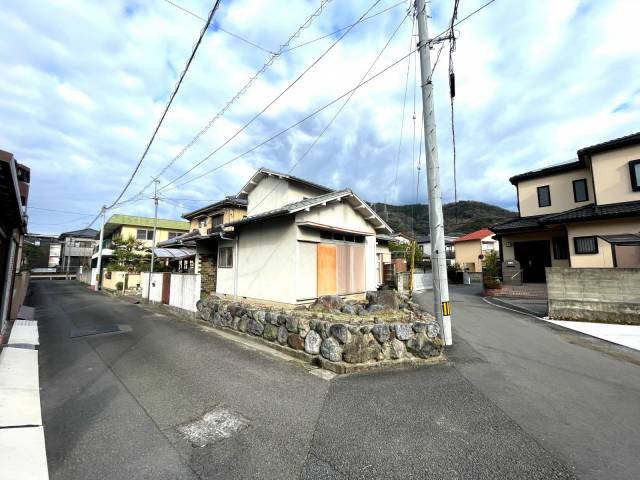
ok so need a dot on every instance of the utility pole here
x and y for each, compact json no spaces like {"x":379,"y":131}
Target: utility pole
{"x":436,"y":218}
{"x":155,"y":227}
{"x":99,"y":282}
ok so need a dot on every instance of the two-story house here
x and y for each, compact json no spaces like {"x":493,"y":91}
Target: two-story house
{"x":77,"y":248}
{"x":299,"y":240}
{"x":206,"y":219}
{"x":584,"y":213}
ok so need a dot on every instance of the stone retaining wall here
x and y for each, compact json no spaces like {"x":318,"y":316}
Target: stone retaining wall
{"x":355,"y":340}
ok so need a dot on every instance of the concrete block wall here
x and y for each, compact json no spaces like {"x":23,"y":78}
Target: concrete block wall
{"x":609,"y":295}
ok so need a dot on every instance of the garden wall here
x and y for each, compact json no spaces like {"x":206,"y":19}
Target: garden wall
{"x":335,"y":340}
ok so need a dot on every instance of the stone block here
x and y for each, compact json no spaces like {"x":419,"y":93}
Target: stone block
{"x":270,"y":332}
{"x":312,"y":342}
{"x":331,"y":349}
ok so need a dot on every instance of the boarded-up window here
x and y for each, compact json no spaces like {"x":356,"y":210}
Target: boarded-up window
{"x":350,"y":269}
{"x":326,"y":269}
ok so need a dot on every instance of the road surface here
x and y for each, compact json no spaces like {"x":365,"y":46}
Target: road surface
{"x":518,"y":400}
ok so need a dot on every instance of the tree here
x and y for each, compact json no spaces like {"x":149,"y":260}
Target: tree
{"x":491,"y":270}
{"x":129,"y":254}
{"x":403,"y":250}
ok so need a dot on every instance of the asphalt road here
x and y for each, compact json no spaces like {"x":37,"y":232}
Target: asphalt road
{"x":518,"y":400}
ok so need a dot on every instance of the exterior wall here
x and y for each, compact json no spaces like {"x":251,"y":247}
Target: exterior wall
{"x":127,"y":231}
{"x":611,"y":175}
{"x":273,"y":192}
{"x":184,"y":291}
{"x":467,"y":255}
{"x":208,"y":269}
{"x":133,"y":280}
{"x":307,"y":270}
{"x":266,"y":263}
{"x":511,"y":238}
{"x":594,"y":294}
{"x":234,"y":214}
{"x":229,"y":215}
{"x":604,"y":257}
{"x":335,"y":214}
{"x":561,"y":191}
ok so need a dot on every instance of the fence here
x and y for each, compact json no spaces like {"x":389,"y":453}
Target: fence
{"x":421,"y":281}
{"x":182,"y":290}
{"x":594,"y":294}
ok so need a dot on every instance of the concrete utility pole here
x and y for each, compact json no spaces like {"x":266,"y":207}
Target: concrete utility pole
{"x":99,"y":283}
{"x":436,"y":218}
{"x":155,"y":227}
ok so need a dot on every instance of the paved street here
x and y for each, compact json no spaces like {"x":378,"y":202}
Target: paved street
{"x":519,"y":399}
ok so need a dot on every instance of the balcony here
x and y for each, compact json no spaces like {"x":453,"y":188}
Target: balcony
{"x":106,"y":243}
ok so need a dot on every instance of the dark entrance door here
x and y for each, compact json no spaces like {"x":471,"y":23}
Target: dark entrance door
{"x":533,"y":257}
{"x":166,"y":287}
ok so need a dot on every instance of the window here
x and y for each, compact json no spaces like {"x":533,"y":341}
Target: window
{"x":225,"y":257}
{"x":142,"y":234}
{"x":544,"y":196}
{"x":560,"y":248}
{"x":217,"y":220}
{"x":585,"y":245}
{"x":174,"y":234}
{"x":202,"y":223}
{"x":634,"y":170}
{"x":340,"y":237}
{"x":580,"y":192}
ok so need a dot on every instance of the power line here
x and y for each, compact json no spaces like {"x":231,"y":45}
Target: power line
{"x":30,"y":207}
{"x":220,"y":28}
{"x":242,"y":91}
{"x":452,"y":94}
{"x":328,"y":125}
{"x":166,"y":109}
{"x":313,"y":64}
{"x":290,"y":127}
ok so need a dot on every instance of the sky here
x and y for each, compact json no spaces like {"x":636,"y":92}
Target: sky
{"x":83,"y":85}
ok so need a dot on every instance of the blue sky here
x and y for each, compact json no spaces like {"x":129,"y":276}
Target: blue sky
{"x":83,"y":85}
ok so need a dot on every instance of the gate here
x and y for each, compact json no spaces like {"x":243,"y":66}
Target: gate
{"x":166,"y":287}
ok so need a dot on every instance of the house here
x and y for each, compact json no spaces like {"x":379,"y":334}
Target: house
{"x":206,"y":219}
{"x":14,"y":194}
{"x":299,"y":240}
{"x":449,"y":245}
{"x":77,"y":248}
{"x":41,"y":252}
{"x":139,"y":228}
{"x":472,"y":247}
{"x":585,"y":213}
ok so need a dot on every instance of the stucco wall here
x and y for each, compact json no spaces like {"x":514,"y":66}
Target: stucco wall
{"x":162,"y":234}
{"x":274,"y":192}
{"x":306,"y":270}
{"x":467,"y":255}
{"x":335,"y":214}
{"x":561,"y":191}
{"x":594,"y":294}
{"x":604,"y":257}
{"x":612,"y":177}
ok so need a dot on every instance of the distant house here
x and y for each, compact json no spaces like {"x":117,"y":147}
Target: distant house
{"x":77,"y":248}
{"x":42,"y":252}
{"x":425,"y":242}
{"x":139,"y":228}
{"x":584,"y":213}
{"x":206,"y":219}
{"x":299,"y":240}
{"x":472,"y":247}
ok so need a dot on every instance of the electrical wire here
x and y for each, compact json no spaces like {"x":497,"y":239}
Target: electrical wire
{"x":287,"y":88}
{"x":290,"y":127}
{"x":337,"y":113}
{"x":240,"y":92}
{"x":173,"y":95}
{"x":30,"y":207}
{"x":452,"y":94}
{"x":249,"y":42}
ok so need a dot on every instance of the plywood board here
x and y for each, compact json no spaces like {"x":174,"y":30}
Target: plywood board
{"x":326,"y":269}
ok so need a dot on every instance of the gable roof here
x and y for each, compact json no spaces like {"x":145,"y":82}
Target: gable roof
{"x":518,"y":224}
{"x":265,"y":172}
{"x":620,"y":142}
{"x":541,"y":172}
{"x":477,"y":235}
{"x":225,"y":202}
{"x":308,"y":203}
{"x":116,"y":220}
{"x":593,"y":212}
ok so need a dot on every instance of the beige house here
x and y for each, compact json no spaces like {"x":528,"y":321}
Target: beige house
{"x":471,"y":248}
{"x":299,"y":240}
{"x":585,"y":213}
{"x":205,"y":220}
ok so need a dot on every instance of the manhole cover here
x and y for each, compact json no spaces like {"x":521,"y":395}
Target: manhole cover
{"x":215,"y":425}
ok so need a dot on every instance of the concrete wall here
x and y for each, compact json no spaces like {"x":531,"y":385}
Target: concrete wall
{"x":611,"y":175}
{"x":594,"y":294}
{"x":273,"y":192}
{"x":561,"y":191}
{"x":156,"y":286}
{"x":604,"y":257}
{"x":133,"y":280}
{"x":184,"y":291}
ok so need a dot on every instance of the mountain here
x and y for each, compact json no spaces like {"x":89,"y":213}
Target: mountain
{"x":464,"y":217}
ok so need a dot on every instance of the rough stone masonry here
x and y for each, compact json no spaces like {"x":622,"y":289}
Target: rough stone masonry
{"x":386,"y":328}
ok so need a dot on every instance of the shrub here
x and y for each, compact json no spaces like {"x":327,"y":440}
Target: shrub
{"x":119,"y":285}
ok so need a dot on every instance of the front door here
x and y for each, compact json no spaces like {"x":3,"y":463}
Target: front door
{"x":534,"y":257}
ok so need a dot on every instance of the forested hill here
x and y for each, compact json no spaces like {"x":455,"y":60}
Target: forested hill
{"x":464,"y":217}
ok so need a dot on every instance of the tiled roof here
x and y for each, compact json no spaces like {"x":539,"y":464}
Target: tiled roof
{"x":84,"y":233}
{"x":226,"y":202}
{"x":264,"y":172}
{"x":589,"y":212}
{"x":477,"y":235}
{"x":619,"y":142}
{"x":519,"y":223}
{"x":559,"y":168}
{"x":184,"y":239}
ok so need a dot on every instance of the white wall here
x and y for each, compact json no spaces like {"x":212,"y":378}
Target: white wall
{"x":270,"y":193}
{"x":339,"y":215}
{"x":185,"y":291}
{"x":370,"y":263}
{"x":156,"y":286}
{"x":307,"y":270}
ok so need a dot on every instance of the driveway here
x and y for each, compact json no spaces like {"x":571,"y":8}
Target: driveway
{"x":114,"y":403}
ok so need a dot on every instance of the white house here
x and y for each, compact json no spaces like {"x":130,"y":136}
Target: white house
{"x":298,"y":241}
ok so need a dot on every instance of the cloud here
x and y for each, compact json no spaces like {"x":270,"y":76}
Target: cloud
{"x":84,"y":85}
